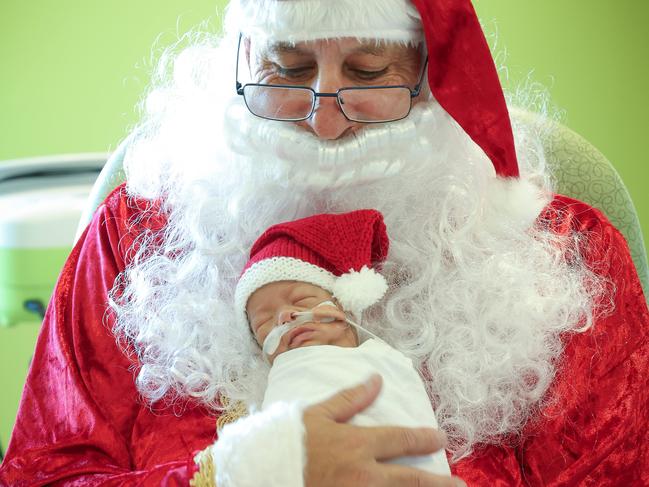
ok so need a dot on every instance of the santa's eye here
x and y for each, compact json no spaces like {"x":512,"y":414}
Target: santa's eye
{"x":365,"y":74}
{"x":294,"y":72}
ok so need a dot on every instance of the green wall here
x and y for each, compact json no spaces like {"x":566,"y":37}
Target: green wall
{"x":594,"y":58}
{"x":71,"y":72}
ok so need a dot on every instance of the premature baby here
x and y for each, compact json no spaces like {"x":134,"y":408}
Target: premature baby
{"x":302,"y":321}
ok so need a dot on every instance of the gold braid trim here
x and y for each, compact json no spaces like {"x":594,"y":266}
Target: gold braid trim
{"x":206,"y":475}
{"x":233,"y":411}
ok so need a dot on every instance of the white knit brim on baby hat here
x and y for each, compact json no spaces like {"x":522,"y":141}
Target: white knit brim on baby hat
{"x":354,"y":290}
{"x":278,"y":269}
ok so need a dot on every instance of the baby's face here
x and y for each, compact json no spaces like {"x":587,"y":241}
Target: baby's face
{"x":274,"y":304}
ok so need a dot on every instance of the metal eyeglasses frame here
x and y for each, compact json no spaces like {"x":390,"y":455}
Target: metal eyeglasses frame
{"x":240,"y":88}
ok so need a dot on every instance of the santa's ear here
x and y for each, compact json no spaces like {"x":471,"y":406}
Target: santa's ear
{"x":246,"y":50}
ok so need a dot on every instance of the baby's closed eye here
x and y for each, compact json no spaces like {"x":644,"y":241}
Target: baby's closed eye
{"x":260,"y":322}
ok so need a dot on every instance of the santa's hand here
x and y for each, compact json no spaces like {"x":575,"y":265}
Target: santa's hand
{"x":344,"y":455}
{"x":286,"y":445}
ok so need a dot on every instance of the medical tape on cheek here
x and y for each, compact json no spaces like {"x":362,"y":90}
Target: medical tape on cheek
{"x":275,"y":336}
{"x":347,"y":320}
{"x":271,"y":343}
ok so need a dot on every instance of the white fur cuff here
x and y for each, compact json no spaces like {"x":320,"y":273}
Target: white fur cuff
{"x":306,"y":20}
{"x":265,"y":448}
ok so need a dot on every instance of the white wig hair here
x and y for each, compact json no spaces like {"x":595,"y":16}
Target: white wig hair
{"x":480,"y":295}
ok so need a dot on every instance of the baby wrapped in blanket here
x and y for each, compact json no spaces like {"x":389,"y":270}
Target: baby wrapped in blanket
{"x":305,"y":282}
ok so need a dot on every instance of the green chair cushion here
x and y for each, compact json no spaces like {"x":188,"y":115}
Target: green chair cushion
{"x":582,"y":172}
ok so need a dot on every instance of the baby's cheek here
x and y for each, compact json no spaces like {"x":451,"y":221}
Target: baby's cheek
{"x":261,"y":335}
{"x":344,"y":337}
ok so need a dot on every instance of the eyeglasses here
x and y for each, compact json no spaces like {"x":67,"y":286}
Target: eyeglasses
{"x":365,"y":104}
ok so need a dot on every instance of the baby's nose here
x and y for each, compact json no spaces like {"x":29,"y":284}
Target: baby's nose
{"x":284,"y":316}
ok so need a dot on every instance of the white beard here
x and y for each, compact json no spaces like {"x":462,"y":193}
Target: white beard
{"x":479,"y":295}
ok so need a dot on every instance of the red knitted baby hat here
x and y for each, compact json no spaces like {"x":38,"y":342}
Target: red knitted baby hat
{"x":336,"y":252}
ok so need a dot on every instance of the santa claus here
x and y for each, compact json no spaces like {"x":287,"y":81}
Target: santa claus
{"x":520,"y":308}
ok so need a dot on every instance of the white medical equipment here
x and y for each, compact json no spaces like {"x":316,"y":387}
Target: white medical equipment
{"x":41,"y":202}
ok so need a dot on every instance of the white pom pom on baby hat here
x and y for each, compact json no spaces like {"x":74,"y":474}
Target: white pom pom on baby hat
{"x":358,"y":290}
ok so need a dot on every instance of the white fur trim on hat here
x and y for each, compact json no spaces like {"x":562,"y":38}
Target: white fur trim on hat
{"x":356,"y":291}
{"x":266,"y":448}
{"x":277,"y":269}
{"x":307,"y":20}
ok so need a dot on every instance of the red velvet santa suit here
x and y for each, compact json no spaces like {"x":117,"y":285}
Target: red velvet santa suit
{"x":81,"y":421}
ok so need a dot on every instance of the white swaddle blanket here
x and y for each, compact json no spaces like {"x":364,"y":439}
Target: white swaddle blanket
{"x":312,"y":374}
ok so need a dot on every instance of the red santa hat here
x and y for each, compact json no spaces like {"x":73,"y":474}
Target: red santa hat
{"x":335,"y":252}
{"x":461,"y":72}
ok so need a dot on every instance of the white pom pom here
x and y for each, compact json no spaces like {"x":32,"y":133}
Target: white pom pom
{"x":358,"y":290}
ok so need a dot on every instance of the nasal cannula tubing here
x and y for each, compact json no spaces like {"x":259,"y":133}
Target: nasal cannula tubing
{"x":271,"y":343}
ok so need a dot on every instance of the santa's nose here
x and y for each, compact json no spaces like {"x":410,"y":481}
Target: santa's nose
{"x":328,"y":121}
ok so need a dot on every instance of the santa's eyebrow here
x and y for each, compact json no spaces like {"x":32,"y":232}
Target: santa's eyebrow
{"x":285,"y":48}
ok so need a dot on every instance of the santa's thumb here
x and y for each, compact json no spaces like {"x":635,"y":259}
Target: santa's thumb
{"x":342,"y":406}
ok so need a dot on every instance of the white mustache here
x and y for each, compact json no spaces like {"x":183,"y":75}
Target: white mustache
{"x":318,"y":165}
